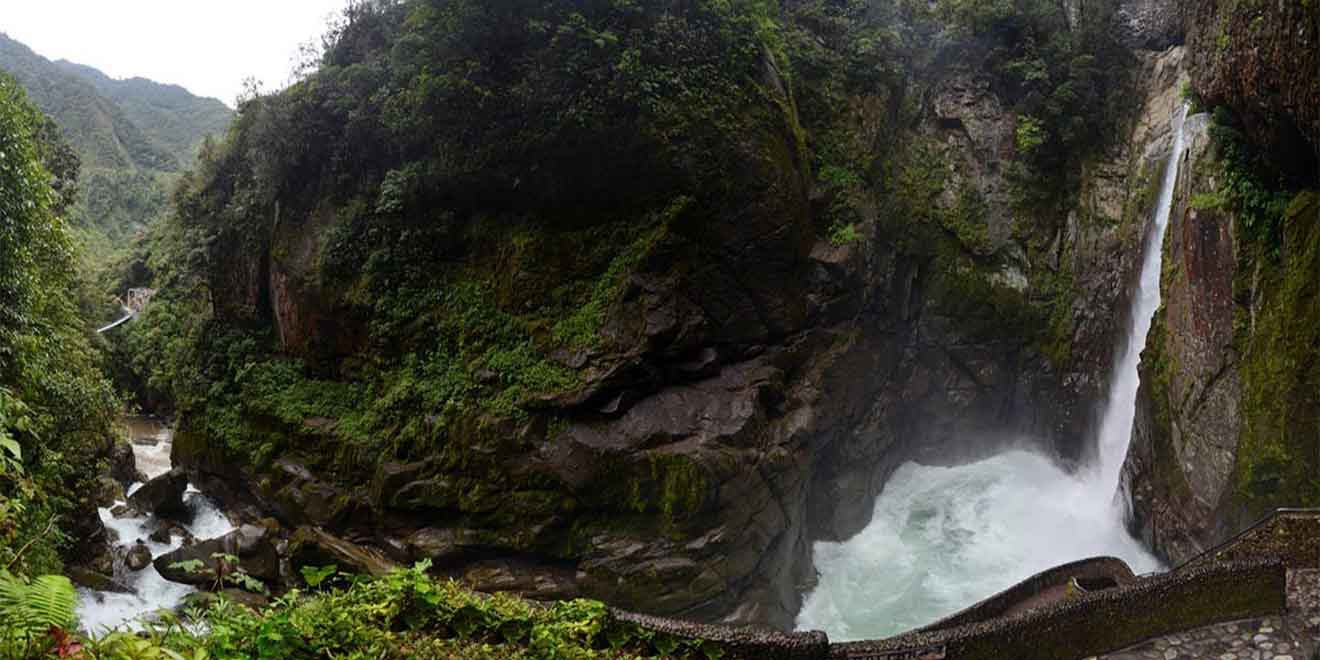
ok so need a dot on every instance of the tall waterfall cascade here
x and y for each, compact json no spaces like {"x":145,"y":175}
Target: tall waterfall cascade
{"x":943,"y":538}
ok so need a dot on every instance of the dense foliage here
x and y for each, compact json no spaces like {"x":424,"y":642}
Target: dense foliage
{"x":55,"y":406}
{"x":484,"y":179}
{"x":128,"y":138}
{"x":451,"y":145}
{"x":405,"y":614}
{"x":1060,"y":75}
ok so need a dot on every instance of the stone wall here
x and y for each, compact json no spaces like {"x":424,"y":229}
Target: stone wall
{"x":1059,"y":576}
{"x":1292,"y":535}
{"x":1101,"y":621}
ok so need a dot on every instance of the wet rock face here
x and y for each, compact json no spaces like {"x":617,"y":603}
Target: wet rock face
{"x":1185,"y":435}
{"x":162,"y":496}
{"x":1263,"y":63}
{"x":1152,"y":24}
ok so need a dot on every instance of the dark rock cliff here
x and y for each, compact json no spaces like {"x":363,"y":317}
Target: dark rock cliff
{"x":1262,"y":59}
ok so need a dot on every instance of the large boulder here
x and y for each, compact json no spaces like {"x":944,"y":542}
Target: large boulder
{"x":313,"y":546}
{"x":95,"y":580}
{"x":251,"y":544}
{"x":162,"y":496}
{"x":441,"y":545}
{"x":137,"y":557}
{"x":123,"y":463}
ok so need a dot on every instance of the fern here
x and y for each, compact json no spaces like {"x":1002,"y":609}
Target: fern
{"x":31,"y":608}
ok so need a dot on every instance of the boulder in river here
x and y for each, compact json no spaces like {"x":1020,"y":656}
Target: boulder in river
{"x":96,"y":580}
{"x":251,"y":544}
{"x":168,"y":530}
{"x":137,"y":557}
{"x":162,"y":496}
{"x":123,"y":463}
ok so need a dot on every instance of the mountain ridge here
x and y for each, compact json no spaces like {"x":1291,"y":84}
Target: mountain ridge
{"x":132,"y":137}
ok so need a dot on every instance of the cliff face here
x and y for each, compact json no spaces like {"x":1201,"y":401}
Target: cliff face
{"x":1261,"y":60}
{"x":1185,"y":436}
{"x":1228,"y":396}
{"x":649,"y":357}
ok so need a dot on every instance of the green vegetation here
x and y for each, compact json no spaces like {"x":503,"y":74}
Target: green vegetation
{"x":459,"y":299}
{"x":1277,"y":459}
{"x":1062,"y":81}
{"x":129,"y":138}
{"x":1277,"y":329}
{"x":30,"y":608}
{"x":56,"y":409}
{"x":405,"y":614}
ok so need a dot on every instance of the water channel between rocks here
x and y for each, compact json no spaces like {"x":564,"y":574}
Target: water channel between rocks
{"x":103,"y":610}
{"x":943,"y":538}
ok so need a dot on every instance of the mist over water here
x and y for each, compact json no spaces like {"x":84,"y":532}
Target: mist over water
{"x":944,"y":538}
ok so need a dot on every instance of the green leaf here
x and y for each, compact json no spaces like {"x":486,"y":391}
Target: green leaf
{"x":11,"y":445}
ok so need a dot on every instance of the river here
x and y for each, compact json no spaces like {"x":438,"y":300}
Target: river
{"x":99,"y":611}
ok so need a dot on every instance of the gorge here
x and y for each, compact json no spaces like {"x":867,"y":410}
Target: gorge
{"x":943,"y":538}
{"x":794,"y":315}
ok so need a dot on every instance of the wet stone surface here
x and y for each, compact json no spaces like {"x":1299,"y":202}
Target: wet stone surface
{"x":1295,"y":636}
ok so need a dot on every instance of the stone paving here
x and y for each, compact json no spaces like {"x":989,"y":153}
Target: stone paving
{"x":1294,"y":636}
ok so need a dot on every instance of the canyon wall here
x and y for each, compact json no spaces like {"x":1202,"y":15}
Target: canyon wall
{"x":646,"y":360}
{"x":1226,"y":424}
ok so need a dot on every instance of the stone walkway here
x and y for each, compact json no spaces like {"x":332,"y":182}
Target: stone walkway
{"x":1295,"y":636}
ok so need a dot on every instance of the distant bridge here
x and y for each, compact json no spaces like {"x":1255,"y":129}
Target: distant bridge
{"x":137,"y":300}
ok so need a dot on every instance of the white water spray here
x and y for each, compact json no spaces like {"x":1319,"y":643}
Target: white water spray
{"x":942,"y":539}
{"x":99,"y":611}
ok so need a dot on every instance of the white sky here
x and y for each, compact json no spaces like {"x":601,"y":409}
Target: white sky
{"x":207,"y":46}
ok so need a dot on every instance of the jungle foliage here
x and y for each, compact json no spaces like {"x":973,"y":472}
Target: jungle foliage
{"x":56,"y":408}
{"x":405,"y":614}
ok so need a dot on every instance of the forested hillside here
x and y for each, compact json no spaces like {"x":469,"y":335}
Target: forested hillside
{"x":56,"y":406}
{"x":131,"y":136}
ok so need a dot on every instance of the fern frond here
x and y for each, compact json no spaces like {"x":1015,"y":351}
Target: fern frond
{"x":31,"y":608}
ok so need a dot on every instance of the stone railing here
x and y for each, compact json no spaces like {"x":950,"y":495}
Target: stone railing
{"x":1244,"y":577}
{"x":1092,"y":623}
{"x":1292,"y":535}
{"x":1058,"y":577}
{"x":736,"y":642}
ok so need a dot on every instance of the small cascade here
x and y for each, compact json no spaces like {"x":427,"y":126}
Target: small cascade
{"x":100,"y":611}
{"x":943,"y":538}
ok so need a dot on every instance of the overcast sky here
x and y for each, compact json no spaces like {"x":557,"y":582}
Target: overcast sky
{"x":209,"y":47}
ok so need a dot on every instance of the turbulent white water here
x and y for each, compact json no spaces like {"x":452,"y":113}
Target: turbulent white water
{"x":942,"y":539}
{"x":99,"y":611}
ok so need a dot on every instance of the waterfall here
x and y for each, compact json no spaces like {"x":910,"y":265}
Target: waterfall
{"x":1120,"y":409}
{"x":943,"y":538}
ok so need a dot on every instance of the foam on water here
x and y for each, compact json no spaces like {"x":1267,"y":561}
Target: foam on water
{"x":942,"y":538}
{"x":100,"y":611}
